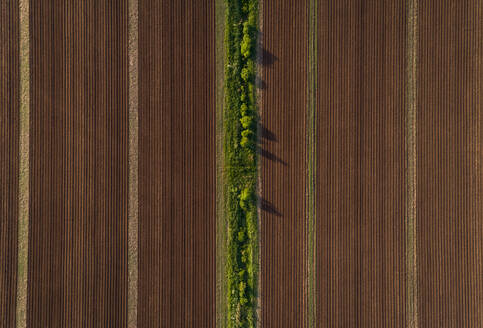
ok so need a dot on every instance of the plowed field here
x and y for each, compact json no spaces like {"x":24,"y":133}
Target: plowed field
{"x":177,"y":222}
{"x":398,"y":126}
{"x":78,"y":164}
{"x":449,"y":164}
{"x":361,"y":165}
{"x":9,"y":158}
{"x":283,"y":168}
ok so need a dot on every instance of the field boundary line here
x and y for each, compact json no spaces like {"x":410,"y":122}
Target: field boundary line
{"x":133,"y":200}
{"x":23,"y":216}
{"x":311,"y":160}
{"x":411,"y":113}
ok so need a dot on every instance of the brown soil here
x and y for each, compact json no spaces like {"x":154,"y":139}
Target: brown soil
{"x":283,"y":168}
{"x":78,"y":164}
{"x":360,"y":234}
{"x":177,"y":165}
{"x":9,"y":158}
{"x":449,"y":165}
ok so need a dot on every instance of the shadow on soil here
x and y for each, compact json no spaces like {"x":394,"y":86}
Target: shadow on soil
{"x":266,"y":135}
{"x":260,"y":84}
{"x":266,"y":58}
{"x":266,"y":206}
{"x":268,"y":155}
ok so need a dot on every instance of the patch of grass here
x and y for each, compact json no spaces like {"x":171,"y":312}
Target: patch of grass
{"x":221,"y":224}
{"x":240,"y":161}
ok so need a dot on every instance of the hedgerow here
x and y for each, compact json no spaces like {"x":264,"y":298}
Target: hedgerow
{"x":240,"y":125}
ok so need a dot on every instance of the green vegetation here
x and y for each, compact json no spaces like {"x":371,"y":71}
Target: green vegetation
{"x":240,"y":160}
{"x":221,"y":224}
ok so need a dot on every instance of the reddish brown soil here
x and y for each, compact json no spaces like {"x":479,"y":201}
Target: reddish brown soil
{"x":9,"y":158}
{"x":78,"y":164}
{"x":360,"y":253}
{"x":176,"y":164}
{"x":283,"y":168}
{"x":449,"y":164}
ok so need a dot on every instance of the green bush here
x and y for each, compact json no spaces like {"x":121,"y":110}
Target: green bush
{"x":246,"y":142}
{"x":246,"y":46}
{"x":247,"y":73}
{"x":245,"y":110}
{"x":246,"y":121}
{"x":248,"y":134}
{"x":246,"y":198}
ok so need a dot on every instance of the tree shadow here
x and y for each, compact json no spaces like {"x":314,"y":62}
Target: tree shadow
{"x":260,"y":84}
{"x":270,"y":156}
{"x":266,"y":58}
{"x":265,"y":133}
{"x":266,"y":206}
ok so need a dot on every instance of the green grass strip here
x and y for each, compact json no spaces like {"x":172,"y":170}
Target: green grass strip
{"x":221,"y":224}
{"x":240,"y":161}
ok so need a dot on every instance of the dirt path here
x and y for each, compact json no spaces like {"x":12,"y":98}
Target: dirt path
{"x":9,"y":158}
{"x":283,"y":169}
{"x":78,"y":164}
{"x":177,"y":164}
{"x":360,"y":164}
{"x":449,"y":164}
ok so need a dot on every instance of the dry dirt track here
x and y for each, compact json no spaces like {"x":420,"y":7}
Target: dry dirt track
{"x":177,"y":164}
{"x":282,"y":156}
{"x":360,"y":164}
{"x":78,"y":164}
{"x":9,"y":157}
{"x":449,"y":164}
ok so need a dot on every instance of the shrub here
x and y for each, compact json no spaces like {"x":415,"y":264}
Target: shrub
{"x":245,"y":74}
{"x":246,"y":46}
{"x":244,"y":109}
{"x":248,"y":134}
{"x":245,"y":142}
{"x":246,"y":197}
{"x":241,"y":236}
{"x":246,"y":121}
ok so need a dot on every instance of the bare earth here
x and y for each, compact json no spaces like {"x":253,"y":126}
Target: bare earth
{"x":9,"y":158}
{"x":283,"y":168}
{"x":449,"y":164}
{"x":177,"y":164}
{"x":78,"y":164}
{"x":360,"y":206}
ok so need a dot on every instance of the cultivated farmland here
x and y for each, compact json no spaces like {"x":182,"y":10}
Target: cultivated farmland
{"x":360,"y":191}
{"x":9,"y":158}
{"x":449,"y":164}
{"x":241,"y":163}
{"x":177,"y":221}
{"x":77,"y":273}
{"x":283,"y":106}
